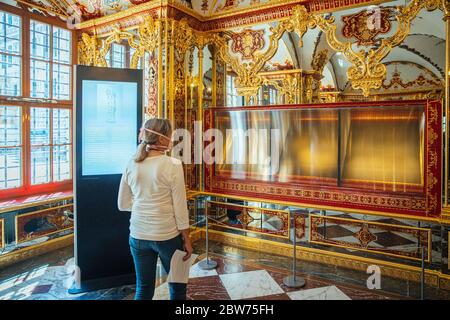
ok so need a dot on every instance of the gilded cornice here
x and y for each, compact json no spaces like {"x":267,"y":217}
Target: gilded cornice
{"x":114,"y":18}
{"x":262,"y":13}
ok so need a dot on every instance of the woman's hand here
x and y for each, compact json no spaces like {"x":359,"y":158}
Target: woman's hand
{"x":188,"y":248}
{"x":186,"y":244}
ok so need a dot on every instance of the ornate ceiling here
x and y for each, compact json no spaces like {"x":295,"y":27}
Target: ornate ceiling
{"x":91,"y":9}
{"x":84,"y":9}
{"x":421,"y":53}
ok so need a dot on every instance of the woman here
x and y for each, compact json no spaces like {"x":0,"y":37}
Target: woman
{"x":152,"y":188}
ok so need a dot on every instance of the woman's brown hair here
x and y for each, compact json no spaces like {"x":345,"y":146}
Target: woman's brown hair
{"x":148,"y":138}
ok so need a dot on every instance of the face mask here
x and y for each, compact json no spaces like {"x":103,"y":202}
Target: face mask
{"x":158,"y":147}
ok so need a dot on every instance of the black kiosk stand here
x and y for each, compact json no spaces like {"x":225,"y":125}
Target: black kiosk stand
{"x":107,"y":118}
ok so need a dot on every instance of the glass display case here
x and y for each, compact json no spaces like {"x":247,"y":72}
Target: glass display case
{"x":367,"y":156}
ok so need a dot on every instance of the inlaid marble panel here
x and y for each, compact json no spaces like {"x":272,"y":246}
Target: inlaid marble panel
{"x":323,"y":293}
{"x":250,"y":284}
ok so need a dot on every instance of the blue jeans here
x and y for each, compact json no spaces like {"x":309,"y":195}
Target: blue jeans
{"x":145,"y":255}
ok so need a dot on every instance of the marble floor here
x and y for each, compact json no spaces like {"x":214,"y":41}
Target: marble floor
{"x":241,"y":274}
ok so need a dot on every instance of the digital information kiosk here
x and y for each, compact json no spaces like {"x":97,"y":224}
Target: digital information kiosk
{"x":107,"y":119}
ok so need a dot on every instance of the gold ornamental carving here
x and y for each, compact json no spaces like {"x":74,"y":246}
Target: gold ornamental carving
{"x":367,"y":71}
{"x":93,"y":50}
{"x":184,"y":37}
{"x":319,"y":61}
{"x":288,"y":87}
{"x":248,"y":81}
{"x":90,"y":49}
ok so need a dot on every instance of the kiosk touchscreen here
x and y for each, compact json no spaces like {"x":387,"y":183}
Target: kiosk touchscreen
{"x":108,"y":115}
{"x":109,"y":126}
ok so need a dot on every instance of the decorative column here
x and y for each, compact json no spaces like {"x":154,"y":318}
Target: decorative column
{"x":201,"y":46}
{"x":214,"y":77}
{"x":160,"y":113}
{"x":171,"y":83}
{"x":447,"y":96}
{"x":309,"y":88}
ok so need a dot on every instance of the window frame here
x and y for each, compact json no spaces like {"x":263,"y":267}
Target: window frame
{"x":19,"y":56}
{"x":26,"y":188}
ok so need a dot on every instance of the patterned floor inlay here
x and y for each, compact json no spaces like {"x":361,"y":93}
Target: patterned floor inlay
{"x":323,"y":293}
{"x":240,"y":274}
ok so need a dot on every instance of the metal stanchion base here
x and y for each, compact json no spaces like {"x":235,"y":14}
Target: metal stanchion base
{"x":207,"y":264}
{"x":294,"y":281}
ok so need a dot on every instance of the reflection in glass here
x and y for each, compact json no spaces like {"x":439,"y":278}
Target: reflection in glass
{"x":40,"y":126}
{"x":378,"y":148}
{"x":40,"y":40}
{"x":10,"y":147}
{"x":61,"y":163}
{"x":10,"y":55}
{"x":207,"y":77}
{"x":40,"y":79}
{"x":61,"y":126}
{"x":40,"y":165}
{"x":61,"y":45}
{"x":383,"y":149}
{"x":116,"y":56}
{"x":61,"y":82}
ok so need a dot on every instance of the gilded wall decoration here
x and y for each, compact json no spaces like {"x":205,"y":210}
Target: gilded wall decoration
{"x":277,"y":66}
{"x":43,"y":223}
{"x":180,"y":91}
{"x":247,"y":42}
{"x":229,"y":4}
{"x":366,"y":25}
{"x":397,"y":83}
{"x":205,"y":5}
{"x":300,"y":225}
{"x":93,"y":50}
{"x":248,"y":81}
{"x":369,"y":236}
{"x":184,"y":37}
{"x":319,"y":61}
{"x":367,"y":71}
{"x":152,"y":86}
{"x":220,"y":83}
{"x":288,"y":87}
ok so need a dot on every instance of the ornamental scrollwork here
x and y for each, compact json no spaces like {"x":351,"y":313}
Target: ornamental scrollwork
{"x":90,"y":51}
{"x":248,"y":81}
{"x":367,"y":71}
{"x":93,"y":51}
{"x":183,"y":37}
{"x":149,"y":33}
{"x":288,"y":87}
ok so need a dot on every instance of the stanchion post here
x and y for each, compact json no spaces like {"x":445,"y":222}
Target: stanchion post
{"x":207,"y":264}
{"x":422,"y":275}
{"x":293,"y":281}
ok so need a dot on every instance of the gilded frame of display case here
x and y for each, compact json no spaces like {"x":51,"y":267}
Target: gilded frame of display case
{"x":230,"y":206}
{"x":2,"y":233}
{"x":22,"y":219}
{"x":426,"y":204}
